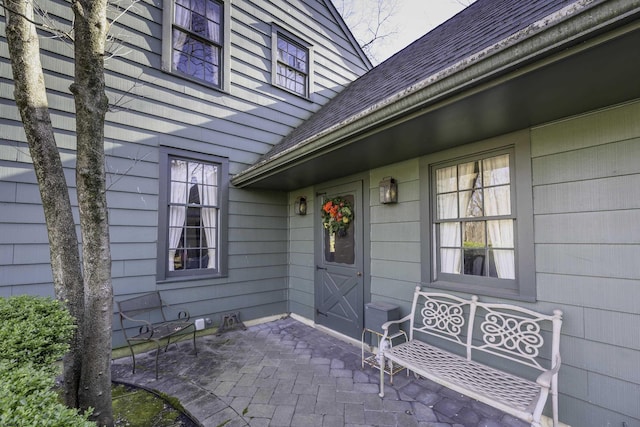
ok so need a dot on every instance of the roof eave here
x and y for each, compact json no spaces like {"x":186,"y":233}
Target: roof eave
{"x":557,"y":31}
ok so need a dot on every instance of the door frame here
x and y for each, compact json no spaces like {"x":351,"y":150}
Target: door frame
{"x":318,"y":235}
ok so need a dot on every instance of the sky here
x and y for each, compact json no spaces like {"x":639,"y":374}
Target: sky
{"x":410,"y":20}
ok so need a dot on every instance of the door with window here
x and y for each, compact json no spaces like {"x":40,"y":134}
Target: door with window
{"x":339,"y":279}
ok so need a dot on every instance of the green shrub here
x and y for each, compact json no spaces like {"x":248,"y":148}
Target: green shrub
{"x":35,"y":334}
{"x":35,"y":330}
{"x":27,"y":399}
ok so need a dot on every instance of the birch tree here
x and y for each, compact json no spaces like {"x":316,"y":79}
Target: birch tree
{"x":85,"y":287}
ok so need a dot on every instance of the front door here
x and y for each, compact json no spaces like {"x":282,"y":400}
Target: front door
{"x":339,"y":280}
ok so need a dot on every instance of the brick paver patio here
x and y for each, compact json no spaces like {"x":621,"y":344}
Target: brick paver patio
{"x":285,"y":373}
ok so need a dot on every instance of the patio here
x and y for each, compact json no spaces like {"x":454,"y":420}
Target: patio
{"x":285,"y":373}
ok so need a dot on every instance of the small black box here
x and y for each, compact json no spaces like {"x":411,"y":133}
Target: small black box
{"x":377,"y":313}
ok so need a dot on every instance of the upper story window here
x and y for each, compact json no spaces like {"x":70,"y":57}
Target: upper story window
{"x":480,"y":219}
{"x":292,"y":63}
{"x":195,"y":36}
{"x":191,"y":240}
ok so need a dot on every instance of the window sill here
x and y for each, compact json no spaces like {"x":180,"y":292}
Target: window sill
{"x":190,"y":278}
{"x":480,"y":290}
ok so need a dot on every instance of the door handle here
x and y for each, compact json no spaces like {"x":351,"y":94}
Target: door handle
{"x":320,"y":268}
{"x":321,"y":313}
{"x":359,"y":274}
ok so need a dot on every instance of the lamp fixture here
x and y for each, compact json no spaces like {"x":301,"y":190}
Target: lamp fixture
{"x":388,"y":190}
{"x":300,"y":206}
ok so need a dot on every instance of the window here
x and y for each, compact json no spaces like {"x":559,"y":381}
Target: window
{"x":196,"y":31}
{"x":292,"y":59}
{"x":192,"y":220}
{"x":481,"y":237}
{"x":473,"y":218}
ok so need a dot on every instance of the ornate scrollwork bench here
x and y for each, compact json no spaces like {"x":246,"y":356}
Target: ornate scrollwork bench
{"x":490,"y":350}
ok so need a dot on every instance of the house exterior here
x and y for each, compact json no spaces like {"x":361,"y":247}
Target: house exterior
{"x":513,"y":133}
{"x":199,"y":91}
{"x":512,"y":130}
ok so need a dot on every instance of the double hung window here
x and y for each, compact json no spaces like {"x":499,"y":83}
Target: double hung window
{"x":474,"y":221}
{"x":292,"y":67}
{"x":292,"y":59}
{"x":194,"y":40}
{"x":191,"y":236}
{"x":478,"y":218}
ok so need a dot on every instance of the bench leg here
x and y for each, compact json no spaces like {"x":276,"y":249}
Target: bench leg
{"x":194,"y":341}
{"x":133,"y":357}
{"x":381,"y":363}
{"x":157,"y":354}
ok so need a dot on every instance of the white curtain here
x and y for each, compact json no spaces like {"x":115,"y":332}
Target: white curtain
{"x":453,"y":179}
{"x":177,"y":209}
{"x":213,"y":22}
{"x":209,"y":195}
{"x":181,"y":17}
{"x":446,"y":179}
{"x":498,"y":202}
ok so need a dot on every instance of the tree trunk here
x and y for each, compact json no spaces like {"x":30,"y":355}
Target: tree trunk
{"x":31,"y":99}
{"x":90,"y":28}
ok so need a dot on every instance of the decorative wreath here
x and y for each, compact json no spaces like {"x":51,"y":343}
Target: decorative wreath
{"x":337,"y":215}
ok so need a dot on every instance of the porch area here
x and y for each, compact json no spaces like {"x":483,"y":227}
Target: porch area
{"x":286,"y":373}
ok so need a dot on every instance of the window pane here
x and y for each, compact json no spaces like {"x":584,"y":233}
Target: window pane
{"x":474,"y":262}
{"x":340,"y":248}
{"x":500,"y":233}
{"x":496,"y":170}
{"x":450,"y":261}
{"x":450,"y":234}
{"x":503,"y":265}
{"x":447,"y":206}
{"x":467,"y":173}
{"x":446,"y":180}
{"x":474,"y":234}
{"x":498,"y":200}
{"x":471,"y":204}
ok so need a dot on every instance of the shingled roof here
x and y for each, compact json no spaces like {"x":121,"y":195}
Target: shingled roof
{"x":482,"y":42}
{"x":481,"y":25}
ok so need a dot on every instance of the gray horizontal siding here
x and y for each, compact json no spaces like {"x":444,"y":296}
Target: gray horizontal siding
{"x":153,"y":108}
{"x":586,"y":203}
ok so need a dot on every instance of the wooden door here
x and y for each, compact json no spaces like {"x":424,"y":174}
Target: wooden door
{"x":339,"y":279}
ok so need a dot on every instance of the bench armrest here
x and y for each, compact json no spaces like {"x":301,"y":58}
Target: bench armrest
{"x":183,"y":313}
{"x":145,"y":326}
{"x":385,"y":325}
{"x":544,"y":379}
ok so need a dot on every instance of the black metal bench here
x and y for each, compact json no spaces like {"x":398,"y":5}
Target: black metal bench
{"x":156,"y":326}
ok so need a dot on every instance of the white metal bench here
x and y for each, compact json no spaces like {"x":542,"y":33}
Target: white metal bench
{"x":480,"y":333}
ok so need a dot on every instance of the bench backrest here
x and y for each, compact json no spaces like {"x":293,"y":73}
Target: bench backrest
{"x":504,"y":330}
{"x":135,"y":306}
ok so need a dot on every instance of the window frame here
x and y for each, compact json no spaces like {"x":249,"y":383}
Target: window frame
{"x":163,"y":273}
{"x":278,"y":32}
{"x":225,"y":54}
{"x":523,"y":287}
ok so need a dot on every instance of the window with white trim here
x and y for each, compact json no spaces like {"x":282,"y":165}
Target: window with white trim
{"x":480,"y":219}
{"x":192,"y":237}
{"x":292,"y":61}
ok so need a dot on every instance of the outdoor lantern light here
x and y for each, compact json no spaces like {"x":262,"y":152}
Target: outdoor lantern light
{"x":300,"y":206}
{"x":388,"y":190}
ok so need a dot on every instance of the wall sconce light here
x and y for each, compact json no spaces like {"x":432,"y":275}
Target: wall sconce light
{"x":388,"y":190}
{"x":300,"y":206}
